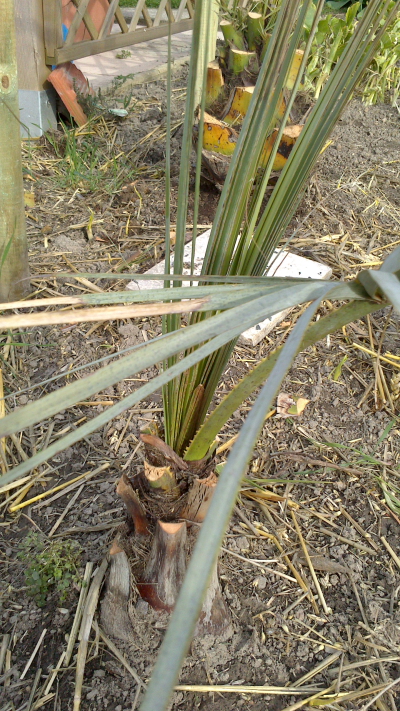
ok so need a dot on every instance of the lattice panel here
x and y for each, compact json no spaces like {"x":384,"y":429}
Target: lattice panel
{"x":80,"y":28}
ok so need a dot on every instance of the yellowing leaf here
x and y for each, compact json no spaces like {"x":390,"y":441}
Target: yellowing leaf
{"x":336,"y":373}
{"x":262,"y":494}
{"x":326,"y":700}
{"x":29,"y":199}
{"x":299,"y":405}
{"x":89,"y":226}
{"x":288,"y":406}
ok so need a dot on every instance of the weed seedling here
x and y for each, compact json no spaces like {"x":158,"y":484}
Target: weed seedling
{"x":49,"y":565}
{"x":124,"y":54}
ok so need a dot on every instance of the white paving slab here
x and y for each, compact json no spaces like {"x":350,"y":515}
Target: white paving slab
{"x":283,"y":264}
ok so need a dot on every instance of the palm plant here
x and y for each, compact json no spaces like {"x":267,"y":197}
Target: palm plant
{"x":232,"y":294}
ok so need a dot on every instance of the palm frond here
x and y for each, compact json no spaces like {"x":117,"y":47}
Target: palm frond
{"x":183,"y":620}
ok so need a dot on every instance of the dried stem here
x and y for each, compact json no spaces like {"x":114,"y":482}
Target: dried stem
{"x":126,"y":492}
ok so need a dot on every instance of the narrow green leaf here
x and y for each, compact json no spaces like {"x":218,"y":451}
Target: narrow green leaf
{"x":239,"y":318}
{"x":256,"y":127}
{"x":384,"y":283}
{"x":392,"y":262}
{"x":181,"y":366}
{"x":335,"y":94}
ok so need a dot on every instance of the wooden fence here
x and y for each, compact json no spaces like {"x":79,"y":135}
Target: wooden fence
{"x":80,"y":28}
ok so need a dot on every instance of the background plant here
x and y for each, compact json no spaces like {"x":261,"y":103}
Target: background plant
{"x":335,"y":29}
{"x":382,"y":78}
{"x":86,"y":160}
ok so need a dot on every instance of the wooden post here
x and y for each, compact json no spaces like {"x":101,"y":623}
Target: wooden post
{"x":14,"y":270}
{"x":37,"y":100}
{"x":31,"y":59}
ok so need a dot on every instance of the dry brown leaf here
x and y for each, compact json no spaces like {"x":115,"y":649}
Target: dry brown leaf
{"x":288,"y":406}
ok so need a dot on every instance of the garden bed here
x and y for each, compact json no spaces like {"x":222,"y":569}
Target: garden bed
{"x":97,"y":205}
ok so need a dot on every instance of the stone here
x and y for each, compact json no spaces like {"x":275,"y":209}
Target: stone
{"x":260,"y":582}
{"x":282,"y":264}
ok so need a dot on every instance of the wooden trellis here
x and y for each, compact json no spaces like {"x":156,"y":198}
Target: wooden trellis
{"x":80,"y":28}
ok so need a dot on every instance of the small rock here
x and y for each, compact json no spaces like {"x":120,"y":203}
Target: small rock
{"x":242,"y":543}
{"x":260,"y":582}
{"x":100,"y":673}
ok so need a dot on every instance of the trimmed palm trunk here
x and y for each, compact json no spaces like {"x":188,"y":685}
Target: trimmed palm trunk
{"x":166,"y":506}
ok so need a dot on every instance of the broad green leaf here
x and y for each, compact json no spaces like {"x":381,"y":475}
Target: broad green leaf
{"x":352,"y":13}
{"x":310,"y":14}
{"x":384,"y":283}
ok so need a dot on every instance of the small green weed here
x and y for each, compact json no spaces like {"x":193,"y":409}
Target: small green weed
{"x":124,"y":54}
{"x":87,"y":161}
{"x":49,"y":565}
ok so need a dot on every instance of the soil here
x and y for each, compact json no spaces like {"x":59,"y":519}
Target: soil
{"x":349,"y":218}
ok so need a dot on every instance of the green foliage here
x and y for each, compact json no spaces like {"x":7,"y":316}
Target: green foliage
{"x":49,"y":565}
{"x":337,"y":5}
{"x":124,"y":54}
{"x":332,"y":36}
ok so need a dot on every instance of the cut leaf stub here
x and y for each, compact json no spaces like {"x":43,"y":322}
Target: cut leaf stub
{"x":218,"y":137}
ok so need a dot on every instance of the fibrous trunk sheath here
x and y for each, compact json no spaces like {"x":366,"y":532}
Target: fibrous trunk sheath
{"x":126,"y":492}
{"x":161,"y":581}
{"x":165,"y":569}
{"x":214,"y":617}
{"x":114,"y":607}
